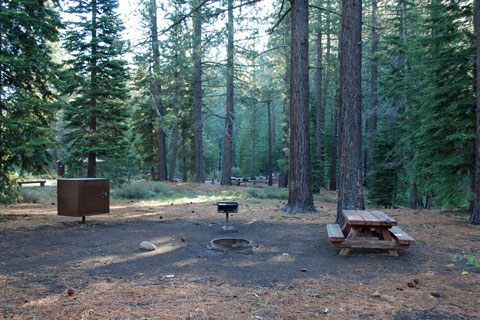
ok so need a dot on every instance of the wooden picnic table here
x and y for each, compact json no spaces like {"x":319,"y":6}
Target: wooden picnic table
{"x":368,"y":229}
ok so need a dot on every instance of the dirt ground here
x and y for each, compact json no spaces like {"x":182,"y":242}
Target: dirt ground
{"x":293,"y":272}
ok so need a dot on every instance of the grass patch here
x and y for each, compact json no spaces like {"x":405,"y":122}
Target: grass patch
{"x":29,"y":195}
{"x":470,"y":259}
{"x":268,"y":193}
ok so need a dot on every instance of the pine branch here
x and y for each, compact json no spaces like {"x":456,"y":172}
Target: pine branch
{"x":188,"y":15}
{"x":279,"y":21}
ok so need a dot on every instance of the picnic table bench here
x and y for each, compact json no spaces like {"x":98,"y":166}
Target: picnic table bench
{"x":42,"y":182}
{"x":368,"y":229}
{"x":239,"y":181}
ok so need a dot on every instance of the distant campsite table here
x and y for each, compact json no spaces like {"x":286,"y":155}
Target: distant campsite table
{"x":368,"y":229}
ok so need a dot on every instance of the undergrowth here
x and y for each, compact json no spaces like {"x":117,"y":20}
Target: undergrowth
{"x":469,"y":259}
{"x":160,"y":191}
{"x":268,"y":193}
{"x":144,"y":190}
{"x":29,"y":195}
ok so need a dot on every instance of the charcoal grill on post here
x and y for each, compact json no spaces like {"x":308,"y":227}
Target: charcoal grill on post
{"x":227,"y":208}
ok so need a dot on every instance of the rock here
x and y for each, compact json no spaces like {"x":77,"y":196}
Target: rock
{"x":145,"y":245}
{"x":376,"y":294}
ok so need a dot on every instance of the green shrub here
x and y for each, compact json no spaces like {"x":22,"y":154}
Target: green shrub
{"x":28,"y":195}
{"x":144,"y":190}
{"x":268,"y":193}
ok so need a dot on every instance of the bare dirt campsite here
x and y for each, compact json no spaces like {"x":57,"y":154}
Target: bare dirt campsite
{"x":54,"y":267}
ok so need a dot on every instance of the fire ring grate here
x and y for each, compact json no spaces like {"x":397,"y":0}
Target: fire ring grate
{"x":231,"y":245}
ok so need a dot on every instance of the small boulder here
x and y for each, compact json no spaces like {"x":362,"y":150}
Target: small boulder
{"x":145,"y":245}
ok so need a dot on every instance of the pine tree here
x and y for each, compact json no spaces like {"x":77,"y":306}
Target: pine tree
{"x":96,"y":115}
{"x":383,"y":187}
{"x":475,"y":212}
{"x":350,"y":195}
{"x":444,"y":126}
{"x":27,"y":100}
{"x":300,"y":197}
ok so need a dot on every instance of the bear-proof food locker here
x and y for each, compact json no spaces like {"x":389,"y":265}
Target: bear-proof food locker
{"x":82,"y":197}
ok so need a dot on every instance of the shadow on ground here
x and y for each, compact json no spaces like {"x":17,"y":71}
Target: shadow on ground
{"x":285,"y":252}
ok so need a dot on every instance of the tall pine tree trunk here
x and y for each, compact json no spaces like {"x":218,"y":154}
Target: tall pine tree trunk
{"x":270,"y":144}
{"x":350,"y":145}
{"x":184,"y":160}
{"x":475,"y":214}
{"x":319,"y":110}
{"x":253,"y":169}
{"x":1,"y":98}
{"x":162,"y":149}
{"x":197,"y":94}
{"x":326,"y":76}
{"x":92,"y":157}
{"x":300,"y":197}
{"x":175,"y":130}
{"x":333,"y":161}
{"x":230,"y":116}
{"x":284,"y":172}
{"x":372,"y":121}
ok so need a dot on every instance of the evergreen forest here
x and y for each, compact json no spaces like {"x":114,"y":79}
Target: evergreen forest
{"x":377,"y":99}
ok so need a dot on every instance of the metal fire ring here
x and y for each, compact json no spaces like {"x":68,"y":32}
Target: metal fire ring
{"x":231,"y":245}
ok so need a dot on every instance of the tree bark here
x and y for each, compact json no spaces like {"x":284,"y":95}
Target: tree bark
{"x":175,"y":132}
{"x":230,"y":116}
{"x":350,"y":194}
{"x":184,"y":160}
{"x":197,"y":94}
{"x":333,"y":161}
{"x":270,"y":144}
{"x":92,"y":156}
{"x":475,"y":213}
{"x":162,"y":149}
{"x":300,"y":197}
{"x":372,"y":121}
{"x":1,"y":100}
{"x":319,"y":110}
{"x":284,"y":172}
{"x":253,"y":159}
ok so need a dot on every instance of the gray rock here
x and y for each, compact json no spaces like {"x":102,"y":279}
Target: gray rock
{"x":145,"y":245}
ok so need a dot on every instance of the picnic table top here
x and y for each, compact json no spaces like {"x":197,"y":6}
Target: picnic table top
{"x":375,"y":218}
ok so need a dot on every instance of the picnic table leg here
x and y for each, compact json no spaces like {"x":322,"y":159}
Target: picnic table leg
{"x":388,"y":237}
{"x":354,"y":232}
